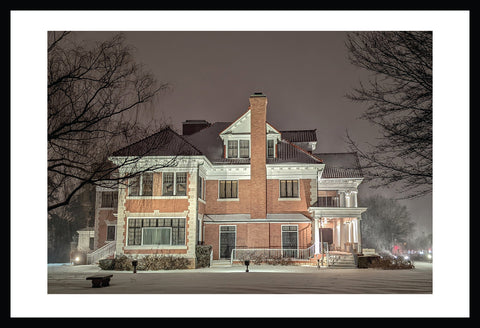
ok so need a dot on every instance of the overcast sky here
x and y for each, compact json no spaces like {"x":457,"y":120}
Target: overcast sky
{"x":304,"y":74}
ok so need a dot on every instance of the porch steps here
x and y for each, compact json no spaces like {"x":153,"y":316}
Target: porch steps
{"x":344,"y":262}
{"x":221,"y":263}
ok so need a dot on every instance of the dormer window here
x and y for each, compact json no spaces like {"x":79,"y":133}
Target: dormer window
{"x":270,"y":148}
{"x":244,"y":148}
{"x":232,"y":148}
{"x":238,"y":149}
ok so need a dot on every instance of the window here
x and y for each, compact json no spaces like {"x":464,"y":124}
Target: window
{"x":141,"y":185}
{"x":155,"y":231}
{"x":111,"y":232}
{"x":244,"y":148}
{"x":157,"y":236}
{"x":174,"y":184}
{"x":270,"y":148}
{"x":289,"y":240}
{"x":238,"y":149}
{"x":134,"y":186}
{"x":228,"y":189}
{"x":109,"y":199}
{"x":232,"y":149}
{"x":147,"y":184}
{"x":181,"y":184}
{"x":201,"y":188}
{"x":288,"y":188}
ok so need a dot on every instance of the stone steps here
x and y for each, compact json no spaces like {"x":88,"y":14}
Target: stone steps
{"x":343,"y":262}
{"x":221,"y":263}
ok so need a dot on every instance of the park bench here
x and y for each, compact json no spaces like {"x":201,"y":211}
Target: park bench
{"x":100,"y":280}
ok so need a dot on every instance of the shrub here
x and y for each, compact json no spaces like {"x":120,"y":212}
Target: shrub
{"x":202,"y":253}
{"x":388,"y":261}
{"x":106,"y":264}
{"x":145,"y":263}
{"x":123,"y":263}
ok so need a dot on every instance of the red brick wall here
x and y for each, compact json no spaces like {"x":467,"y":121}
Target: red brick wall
{"x":258,"y":160}
{"x":274,"y":205}
{"x":257,"y":235}
{"x":215,"y":206}
{"x":103,"y":216}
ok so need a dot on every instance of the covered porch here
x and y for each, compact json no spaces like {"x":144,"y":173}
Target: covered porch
{"x":339,"y":229}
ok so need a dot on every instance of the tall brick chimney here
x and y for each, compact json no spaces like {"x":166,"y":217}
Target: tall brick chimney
{"x":258,"y":160}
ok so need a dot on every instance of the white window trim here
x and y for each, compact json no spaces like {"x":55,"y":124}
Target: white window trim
{"x":140,"y":188}
{"x":238,"y":148}
{"x":274,"y":147}
{"x":175,"y":196}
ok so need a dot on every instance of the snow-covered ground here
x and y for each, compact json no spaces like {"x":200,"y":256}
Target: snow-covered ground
{"x":265,"y":291}
{"x":262,"y":279}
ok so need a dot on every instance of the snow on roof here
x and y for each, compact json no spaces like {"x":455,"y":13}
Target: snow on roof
{"x":165,"y":142}
{"x":340,"y":165}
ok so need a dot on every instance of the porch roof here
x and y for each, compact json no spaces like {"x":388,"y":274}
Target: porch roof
{"x":244,"y":218}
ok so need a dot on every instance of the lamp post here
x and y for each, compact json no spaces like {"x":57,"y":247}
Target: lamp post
{"x":134,"y":263}
{"x":247,"y":263}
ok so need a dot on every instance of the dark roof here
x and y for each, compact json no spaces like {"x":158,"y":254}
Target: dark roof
{"x":300,"y":135}
{"x":165,"y":142}
{"x":340,"y":165}
{"x":208,"y":142}
{"x":287,"y":152}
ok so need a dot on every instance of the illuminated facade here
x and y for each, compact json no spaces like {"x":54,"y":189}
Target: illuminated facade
{"x":241,"y":185}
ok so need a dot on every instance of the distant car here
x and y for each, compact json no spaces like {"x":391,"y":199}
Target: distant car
{"x":422,"y":257}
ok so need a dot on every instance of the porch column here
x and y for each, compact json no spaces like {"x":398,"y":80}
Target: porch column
{"x":317,"y":237}
{"x":359,"y":234}
{"x":342,"y":235}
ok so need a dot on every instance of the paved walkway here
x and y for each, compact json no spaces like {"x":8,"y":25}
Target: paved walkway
{"x":262,"y":279}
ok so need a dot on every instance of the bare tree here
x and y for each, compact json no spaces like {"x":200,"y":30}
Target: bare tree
{"x":399,"y":102}
{"x":385,"y":223}
{"x":95,"y":98}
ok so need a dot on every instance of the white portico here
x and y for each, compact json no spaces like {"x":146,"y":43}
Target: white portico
{"x":337,"y":217}
{"x":339,"y":227}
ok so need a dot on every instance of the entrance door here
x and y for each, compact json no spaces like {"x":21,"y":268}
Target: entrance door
{"x":227,"y":241}
{"x":289,"y":241}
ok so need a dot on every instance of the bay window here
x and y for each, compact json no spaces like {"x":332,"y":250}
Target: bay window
{"x":156,"y":231}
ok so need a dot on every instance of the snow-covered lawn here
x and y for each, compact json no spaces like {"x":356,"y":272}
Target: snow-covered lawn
{"x":262,"y":279}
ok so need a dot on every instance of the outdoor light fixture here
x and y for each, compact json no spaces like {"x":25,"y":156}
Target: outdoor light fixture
{"x":134,"y":263}
{"x":247,"y":263}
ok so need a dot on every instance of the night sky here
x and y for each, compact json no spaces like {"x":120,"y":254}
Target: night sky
{"x":304,"y":74}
